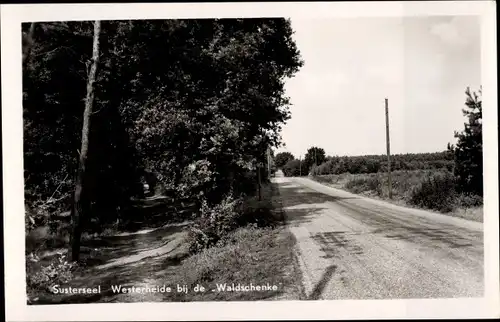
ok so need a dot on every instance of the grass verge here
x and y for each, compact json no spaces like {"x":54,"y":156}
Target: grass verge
{"x":251,"y":256}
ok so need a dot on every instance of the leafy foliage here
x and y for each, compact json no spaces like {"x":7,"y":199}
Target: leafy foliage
{"x":434,"y":189}
{"x":314,"y":156}
{"x":357,"y":185}
{"x":282,"y":158}
{"x":213,"y":224}
{"x":58,"y":272}
{"x":294,"y":168}
{"x":194,"y":104}
{"x":436,"y":192}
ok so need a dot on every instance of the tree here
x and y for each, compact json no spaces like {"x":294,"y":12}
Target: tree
{"x":81,"y":205}
{"x":282,"y":158}
{"x":189,"y":105}
{"x":314,"y":156}
{"x":293,"y":168}
{"x":468,"y":150}
{"x":213,"y":119}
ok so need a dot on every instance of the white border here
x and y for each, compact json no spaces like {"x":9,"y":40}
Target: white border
{"x":16,"y":308}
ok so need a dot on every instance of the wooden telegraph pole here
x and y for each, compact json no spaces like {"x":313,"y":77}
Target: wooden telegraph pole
{"x":388,"y":147}
{"x":300,"y":166}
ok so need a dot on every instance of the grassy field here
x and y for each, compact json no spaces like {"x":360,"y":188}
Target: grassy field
{"x":405,"y":186}
{"x":255,"y":255}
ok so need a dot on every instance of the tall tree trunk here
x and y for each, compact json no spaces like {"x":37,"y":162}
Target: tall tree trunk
{"x":81,"y":202}
{"x":29,"y":44}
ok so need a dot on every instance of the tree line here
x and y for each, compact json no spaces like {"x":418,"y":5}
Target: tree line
{"x":463,"y":160}
{"x":366,"y":164}
{"x":190,"y":107}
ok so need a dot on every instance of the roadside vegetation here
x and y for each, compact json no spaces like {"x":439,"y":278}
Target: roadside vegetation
{"x":258,"y":249}
{"x":190,"y":109}
{"x":253,"y":247}
{"x":427,"y":189}
{"x":450,"y":181}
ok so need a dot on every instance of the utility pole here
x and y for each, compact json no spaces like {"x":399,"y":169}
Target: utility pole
{"x":300,"y":165}
{"x":388,"y":147}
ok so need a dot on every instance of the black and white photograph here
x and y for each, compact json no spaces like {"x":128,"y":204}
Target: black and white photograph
{"x":239,"y":157}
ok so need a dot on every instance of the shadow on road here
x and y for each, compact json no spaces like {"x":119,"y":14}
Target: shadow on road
{"x":400,"y":226}
{"x":320,"y":286}
{"x":301,"y":204}
{"x":419,"y":235}
{"x":305,"y":195}
{"x":382,"y":224}
{"x":331,"y":243}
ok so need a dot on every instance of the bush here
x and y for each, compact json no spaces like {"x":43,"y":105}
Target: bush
{"x":354,"y":185}
{"x":294,"y":168}
{"x":213,"y":224}
{"x":468,"y":200}
{"x":59,"y":271}
{"x":437,"y":192}
{"x":357,"y":185}
{"x":282,"y":158}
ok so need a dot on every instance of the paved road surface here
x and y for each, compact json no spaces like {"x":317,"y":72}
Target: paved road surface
{"x":350,"y":247}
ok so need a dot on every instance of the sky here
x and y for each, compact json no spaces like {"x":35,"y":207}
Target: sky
{"x":421,"y":64}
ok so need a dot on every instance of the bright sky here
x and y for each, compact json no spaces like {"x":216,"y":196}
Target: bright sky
{"x":421,"y":64}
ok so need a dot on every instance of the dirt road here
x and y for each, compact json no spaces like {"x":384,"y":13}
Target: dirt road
{"x":351,"y":247}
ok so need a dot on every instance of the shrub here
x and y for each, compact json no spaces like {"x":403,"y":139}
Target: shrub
{"x":213,"y":224}
{"x":282,"y":158}
{"x":293,"y":168}
{"x":373,"y":183}
{"x":357,"y":185}
{"x":59,"y":271}
{"x":437,"y":192}
{"x":468,"y":200}
{"x":354,"y":185}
